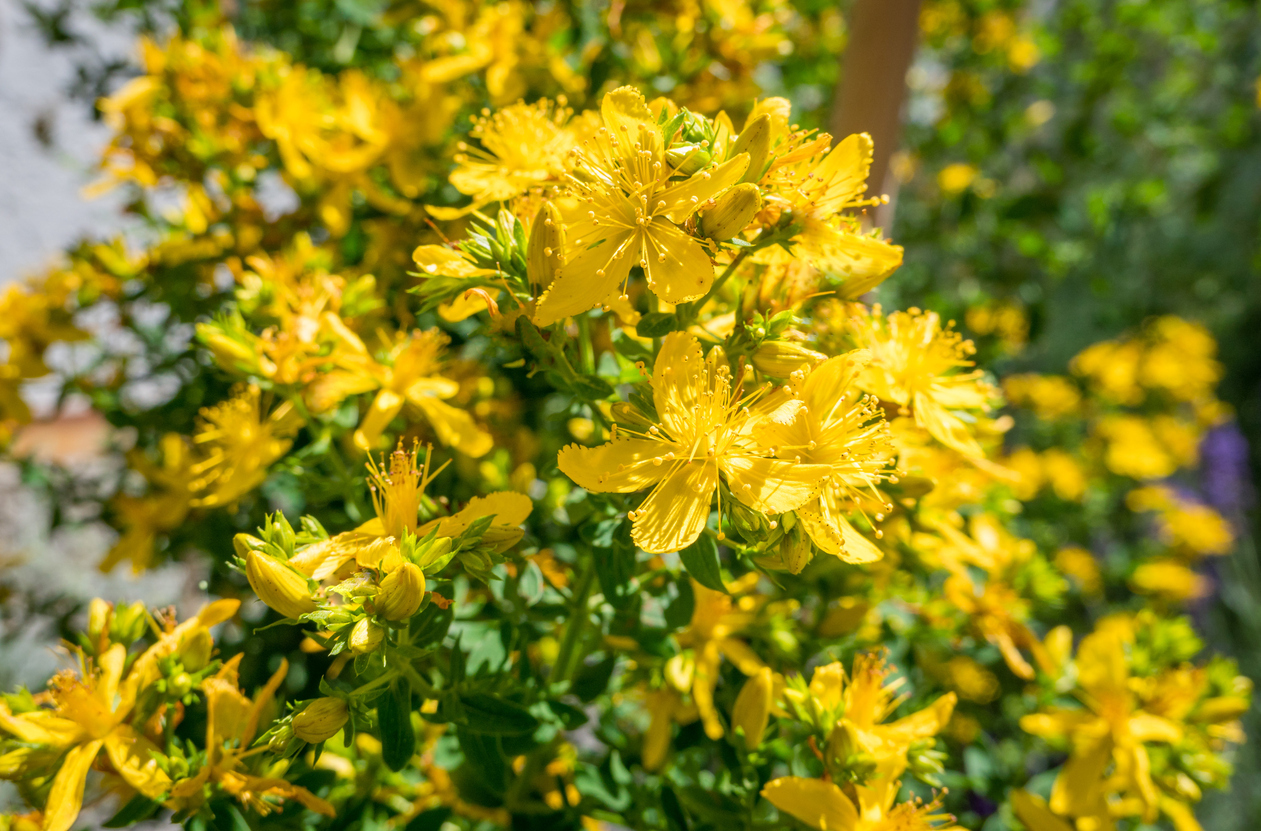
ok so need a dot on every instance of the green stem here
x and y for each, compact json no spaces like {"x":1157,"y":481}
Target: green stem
{"x":565,"y":658}
{"x":586,"y":353}
{"x":694,"y":308}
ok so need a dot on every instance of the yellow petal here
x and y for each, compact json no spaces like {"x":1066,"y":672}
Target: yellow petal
{"x":39,"y":727}
{"x":592,"y":276}
{"x":683,"y":200}
{"x":862,"y":261}
{"x":1056,"y":723}
{"x":923,"y":724}
{"x":829,"y":380}
{"x":677,"y":266}
{"x":384,"y":408}
{"x":66,"y":797}
{"x":674,"y":387}
{"x":1077,"y":788}
{"x":454,"y":426}
{"x":944,"y":426}
{"x":618,"y":466}
{"x":675,"y":513}
{"x":1145,"y":727}
{"x":629,"y":121}
{"x":773,"y":485}
{"x":1036,"y":814}
{"x":818,"y":804}
{"x":705,"y":680}
{"x":133,"y":756}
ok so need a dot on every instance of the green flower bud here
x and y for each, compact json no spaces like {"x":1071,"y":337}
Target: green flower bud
{"x":795,"y":550}
{"x":547,"y":248}
{"x":320,"y":720}
{"x":196,"y":650}
{"x":781,"y":358}
{"x":130,"y":622}
{"x":181,"y":684}
{"x":366,"y":637}
{"x":752,"y":709}
{"x":687,"y":159}
{"x":732,"y":212}
{"x":278,"y":585}
{"x":401,"y":592}
{"x":754,"y":139}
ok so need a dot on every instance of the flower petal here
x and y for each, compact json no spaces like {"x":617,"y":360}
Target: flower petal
{"x":677,"y":266}
{"x":674,"y":381}
{"x":675,"y":513}
{"x":384,"y":407}
{"x":66,"y":797}
{"x":618,"y":466}
{"x":591,"y":276}
{"x":945,"y":426}
{"x":684,"y":199}
{"x":134,"y":757}
{"x":818,"y":804}
{"x":772,"y":486}
{"x":454,"y":426}
{"x":1077,"y":789}
{"x":1035,"y":813}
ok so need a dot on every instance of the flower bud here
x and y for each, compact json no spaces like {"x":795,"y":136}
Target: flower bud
{"x":129,"y":623}
{"x":732,"y":212}
{"x":436,"y":553}
{"x":680,"y":671}
{"x":401,"y":592}
{"x":196,"y":650}
{"x":99,"y":614}
{"x":752,"y":709}
{"x":278,"y":585}
{"x":546,"y":253}
{"x":795,"y":550}
{"x":687,"y":159}
{"x":366,"y":637}
{"x":781,"y":358}
{"x":321,"y":720}
{"x":754,"y":139}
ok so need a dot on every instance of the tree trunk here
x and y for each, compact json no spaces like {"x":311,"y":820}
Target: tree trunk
{"x":869,"y":97}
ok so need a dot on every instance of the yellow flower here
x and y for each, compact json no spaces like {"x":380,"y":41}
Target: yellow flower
{"x":1191,"y":528}
{"x":232,"y":722}
{"x":626,"y":212}
{"x":523,"y":146}
{"x":823,"y":805}
{"x":1049,"y":396}
{"x":238,"y":444}
{"x":1181,"y":360}
{"x":704,"y":432}
{"x":915,"y":365}
{"x":1065,"y":474}
{"x":1112,"y":369}
{"x":1112,"y":729}
{"x":1133,"y":449}
{"x":859,"y":705}
{"x":1169,"y":580}
{"x":821,"y":186}
{"x":955,"y":178}
{"x":716,"y":620}
{"x":161,"y":510}
{"x":666,"y":708}
{"x":398,"y":495}
{"x":839,"y":428}
{"x":753,"y":707}
{"x":89,"y":713}
{"x":1080,"y":564}
{"x":996,"y":612}
{"x":407,"y":376}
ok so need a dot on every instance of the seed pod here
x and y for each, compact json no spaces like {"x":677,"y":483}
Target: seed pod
{"x":687,"y":159}
{"x":781,"y":358}
{"x":366,"y":637}
{"x":321,"y":720}
{"x":401,"y":592}
{"x":546,"y":252}
{"x":752,"y":709}
{"x":732,"y":212}
{"x":754,"y":139}
{"x":278,"y":585}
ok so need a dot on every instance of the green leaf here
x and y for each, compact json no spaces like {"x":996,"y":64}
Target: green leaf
{"x":701,"y":561}
{"x":493,"y":715}
{"x":593,"y":679}
{"x":591,"y":388}
{"x":656,"y":324}
{"x":679,"y":612}
{"x":614,"y":561}
{"x":430,"y":820}
{"x":571,"y":718}
{"x":394,"y":717}
{"x":431,"y":624}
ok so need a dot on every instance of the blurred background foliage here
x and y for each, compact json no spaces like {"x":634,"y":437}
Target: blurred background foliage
{"x":1066,"y":171}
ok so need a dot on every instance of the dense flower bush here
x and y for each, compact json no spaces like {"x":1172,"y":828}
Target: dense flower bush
{"x":582,"y":482}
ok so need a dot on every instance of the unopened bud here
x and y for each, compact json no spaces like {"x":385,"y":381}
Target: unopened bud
{"x":99,"y":613}
{"x":680,"y":670}
{"x":181,"y":685}
{"x":129,"y":623}
{"x":547,"y":248}
{"x":243,"y":544}
{"x":278,"y":585}
{"x":752,"y":709}
{"x":732,"y":213}
{"x":321,"y":720}
{"x":781,"y":358}
{"x":687,"y":159}
{"x":228,"y":352}
{"x":196,"y":651}
{"x":754,"y":139}
{"x":366,"y":637}
{"x":401,"y":592}
{"x":436,"y":553}
{"x":795,"y":550}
